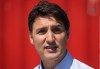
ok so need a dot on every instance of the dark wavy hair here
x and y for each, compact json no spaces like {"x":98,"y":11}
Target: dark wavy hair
{"x":43,"y":9}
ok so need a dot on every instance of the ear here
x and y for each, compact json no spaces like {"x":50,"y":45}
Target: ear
{"x":31,"y":39}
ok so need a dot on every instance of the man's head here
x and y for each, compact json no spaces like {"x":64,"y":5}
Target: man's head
{"x":45,"y":9}
{"x":49,"y":30}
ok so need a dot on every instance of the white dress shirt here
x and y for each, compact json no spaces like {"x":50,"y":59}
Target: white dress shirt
{"x":68,"y":63}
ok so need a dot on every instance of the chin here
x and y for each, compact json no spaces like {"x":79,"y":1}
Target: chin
{"x":52,"y":56}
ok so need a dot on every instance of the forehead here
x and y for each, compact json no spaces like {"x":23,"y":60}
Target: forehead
{"x":45,"y":21}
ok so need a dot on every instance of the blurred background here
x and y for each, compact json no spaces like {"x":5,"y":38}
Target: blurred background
{"x":16,"y":52}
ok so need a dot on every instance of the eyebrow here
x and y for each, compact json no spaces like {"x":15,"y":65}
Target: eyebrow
{"x":43,"y":27}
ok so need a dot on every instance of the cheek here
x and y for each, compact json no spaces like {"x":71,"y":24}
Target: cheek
{"x":38,"y":40}
{"x":62,"y":39}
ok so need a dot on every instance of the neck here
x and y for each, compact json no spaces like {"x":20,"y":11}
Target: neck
{"x":51,"y":64}
{"x":48,"y":65}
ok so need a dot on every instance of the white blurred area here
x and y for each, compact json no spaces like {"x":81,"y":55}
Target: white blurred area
{"x":93,"y":7}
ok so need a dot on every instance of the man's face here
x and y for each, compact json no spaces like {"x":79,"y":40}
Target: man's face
{"x":49,"y":37}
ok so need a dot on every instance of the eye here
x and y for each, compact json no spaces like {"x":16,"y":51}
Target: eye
{"x":42,"y":31}
{"x":57,"y":30}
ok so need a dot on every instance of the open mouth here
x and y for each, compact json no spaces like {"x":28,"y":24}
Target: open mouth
{"x":52,"y":47}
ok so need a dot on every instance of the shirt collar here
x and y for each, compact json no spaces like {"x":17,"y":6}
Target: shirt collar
{"x":65,"y":63}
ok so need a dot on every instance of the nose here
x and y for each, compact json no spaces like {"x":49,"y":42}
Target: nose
{"x":50,"y":37}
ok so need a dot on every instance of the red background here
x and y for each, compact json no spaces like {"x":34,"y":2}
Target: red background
{"x":16,"y":52}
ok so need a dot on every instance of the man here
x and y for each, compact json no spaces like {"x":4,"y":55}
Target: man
{"x":49,"y":31}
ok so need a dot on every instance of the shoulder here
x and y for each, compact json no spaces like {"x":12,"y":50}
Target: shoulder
{"x":79,"y":65}
{"x":37,"y":67}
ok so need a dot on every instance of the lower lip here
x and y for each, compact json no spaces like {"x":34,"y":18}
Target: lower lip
{"x":52,"y":50}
